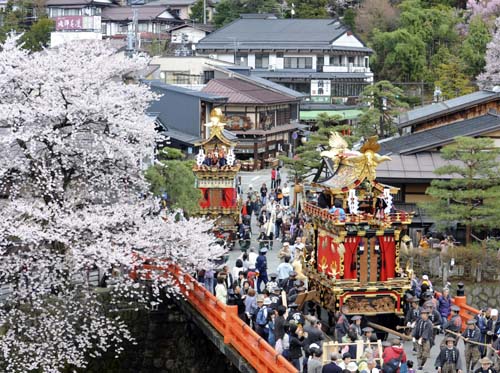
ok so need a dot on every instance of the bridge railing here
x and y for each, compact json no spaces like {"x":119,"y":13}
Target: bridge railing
{"x":225,"y":320}
{"x":466,"y":312}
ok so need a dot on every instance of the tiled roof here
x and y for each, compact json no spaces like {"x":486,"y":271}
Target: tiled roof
{"x":206,"y":96}
{"x":126,"y":13}
{"x":269,"y":33}
{"x":439,"y":136}
{"x":418,"y":166}
{"x":241,"y":92}
{"x":171,"y":2}
{"x":433,"y":110}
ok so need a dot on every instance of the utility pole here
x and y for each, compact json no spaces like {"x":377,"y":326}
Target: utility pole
{"x":204,"y":12}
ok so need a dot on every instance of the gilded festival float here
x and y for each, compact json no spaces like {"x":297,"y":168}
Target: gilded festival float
{"x":355,"y":234}
{"x":216,"y":172}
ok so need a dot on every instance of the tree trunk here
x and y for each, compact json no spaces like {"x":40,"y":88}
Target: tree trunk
{"x":468,"y":234}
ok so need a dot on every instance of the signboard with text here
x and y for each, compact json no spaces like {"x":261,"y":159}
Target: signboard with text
{"x":320,"y":88}
{"x":75,"y":23}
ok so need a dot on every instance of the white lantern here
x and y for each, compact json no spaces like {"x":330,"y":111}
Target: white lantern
{"x":230,"y":157}
{"x":353,"y":201}
{"x":388,"y":200}
{"x":200,"y":158}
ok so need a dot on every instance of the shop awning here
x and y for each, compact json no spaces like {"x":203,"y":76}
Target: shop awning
{"x":346,"y":114}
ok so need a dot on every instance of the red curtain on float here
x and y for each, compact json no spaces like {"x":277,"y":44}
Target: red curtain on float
{"x":328,"y":259}
{"x":388,"y":257}
{"x":205,"y":198}
{"x":229,"y":198}
{"x":350,"y":257}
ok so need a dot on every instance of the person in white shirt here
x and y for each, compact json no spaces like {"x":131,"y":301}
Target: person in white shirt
{"x":286,"y":195}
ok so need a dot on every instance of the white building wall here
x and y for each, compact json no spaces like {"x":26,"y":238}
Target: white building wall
{"x":225,"y":57}
{"x":347,"y":41}
{"x":193,"y":35}
{"x":251,"y":60}
{"x":58,"y":38}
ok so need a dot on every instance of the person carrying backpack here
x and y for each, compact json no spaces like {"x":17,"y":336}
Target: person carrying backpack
{"x":262,"y":319}
{"x":393,"y":357}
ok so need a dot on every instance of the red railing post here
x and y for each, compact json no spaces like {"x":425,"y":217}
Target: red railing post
{"x":231,"y":317}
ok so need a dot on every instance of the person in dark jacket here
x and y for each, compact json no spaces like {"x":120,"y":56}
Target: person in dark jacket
{"x":332,"y":367}
{"x":423,"y":335}
{"x":342,"y":325}
{"x":296,"y":343}
{"x":279,"y":328}
{"x":314,"y":335}
{"x":261,"y":266}
{"x":449,"y":360}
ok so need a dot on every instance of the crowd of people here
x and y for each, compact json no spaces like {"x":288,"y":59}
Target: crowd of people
{"x":428,"y":315}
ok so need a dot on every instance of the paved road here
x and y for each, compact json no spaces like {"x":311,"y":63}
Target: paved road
{"x":255,"y":179}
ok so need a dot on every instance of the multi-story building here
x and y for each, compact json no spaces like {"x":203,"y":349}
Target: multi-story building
{"x":262,"y":118}
{"x":319,"y":57}
{"x":98,"y":19}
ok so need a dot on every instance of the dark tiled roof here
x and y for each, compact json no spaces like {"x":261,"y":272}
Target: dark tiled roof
{"x":440,"y":136}
{"x":241,"y":92}
{"x":252,"y":33}
{"x":197,"y":26}
{"x":405,"y":168}
{"x":126,"y":13}
{"x":171,"y":2}
{"x":433,"y":110}
{"x":64,"y":3}
{"x":206,"y":96}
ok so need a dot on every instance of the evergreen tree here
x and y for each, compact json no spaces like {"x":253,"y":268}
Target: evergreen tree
{"x":174,"y":176}
{"x":450,"y":76}
{"x":39,"y":35}
{"x":474,"y":46}
{"x":471,"y":197}
{"x":385,"y":102}
{"x":196,"y":12}
{"x":227,"y":11}
{"x":311,"y":9}
{"x":491,"y":75}
{"x":307,"y":157}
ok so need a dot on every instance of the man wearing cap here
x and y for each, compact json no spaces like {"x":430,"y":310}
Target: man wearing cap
{"x":412,"y":316}
{"x":356,"y":327}
{"x":485,"y":366}
{"x":262,"y":319}
{"x":395,"y":351}
{"x":294,"y":315}
{"x":332,"y":367}
{"x":368,"y":335}
{"x":272,"y":282}
{"x":261,"y":266}
{"x":454,"y":324}
{"x":314,"y":364}
{"x":423,"y":335}
{"x":472,"y":354}
{"x":342,"y":325}
{"x":290,"y":282}
{"x":448,"y":360}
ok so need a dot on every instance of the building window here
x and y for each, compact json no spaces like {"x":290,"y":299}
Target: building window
{"x":298,"y":62}
{"x":351,"y":60}
{"x":175,"y":12}
{"x":279,"y":54}
{"x":336,"y":60}
{"x":241,"y":59}
{"x":261,"y":61}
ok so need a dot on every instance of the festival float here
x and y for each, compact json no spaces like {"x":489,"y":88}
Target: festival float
{"x":354,"y":258}
{"x":216,"y":172}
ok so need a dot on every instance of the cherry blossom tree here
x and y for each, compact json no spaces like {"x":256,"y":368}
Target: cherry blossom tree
{"x":491,"y":75}
{"x":74,"y":139}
